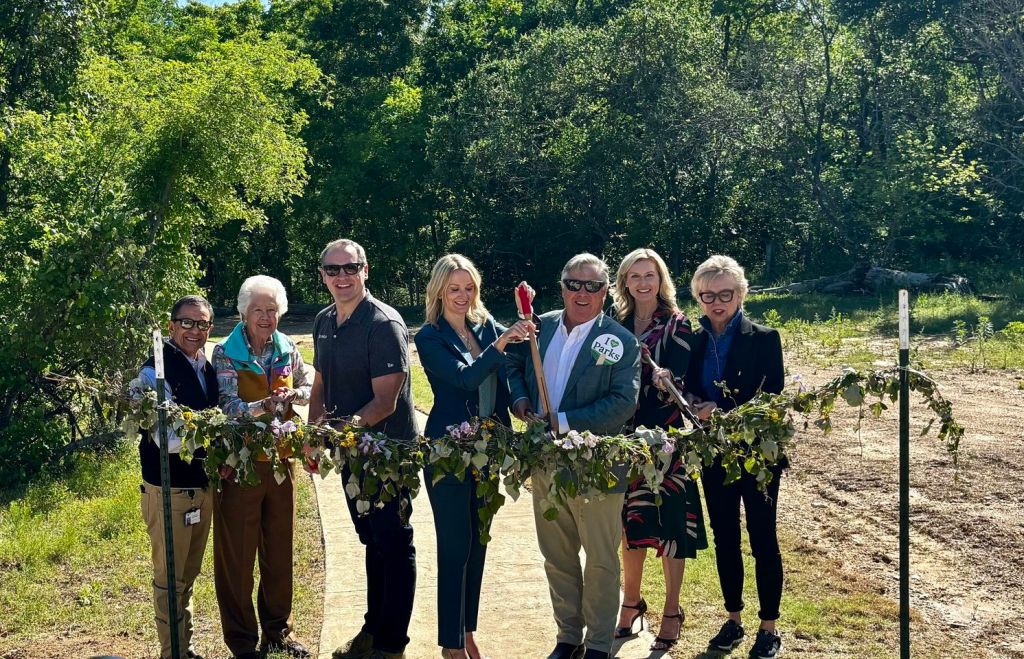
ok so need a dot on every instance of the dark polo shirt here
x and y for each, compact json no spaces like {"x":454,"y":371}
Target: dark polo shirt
{"x":373,"y":342}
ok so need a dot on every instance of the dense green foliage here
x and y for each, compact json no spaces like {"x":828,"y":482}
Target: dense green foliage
{"x":149,"y":148}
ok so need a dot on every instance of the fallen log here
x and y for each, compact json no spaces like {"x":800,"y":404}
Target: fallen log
{"x":865,"y":278}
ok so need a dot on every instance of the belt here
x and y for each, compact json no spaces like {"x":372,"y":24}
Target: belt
{"x":190,"y":491}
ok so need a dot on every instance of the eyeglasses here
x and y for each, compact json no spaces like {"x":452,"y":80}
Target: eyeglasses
{"x":709,"y":297}
{"x":575,"y":285}
{"x":188,"y":323}
{"x":335,"y":269}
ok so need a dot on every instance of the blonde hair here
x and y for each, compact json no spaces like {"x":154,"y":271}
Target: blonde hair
{"x":715,"y":267}
{"x":623,"y":301}
{"x":439,"y":278}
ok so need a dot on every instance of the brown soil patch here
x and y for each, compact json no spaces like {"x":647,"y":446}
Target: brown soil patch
{"x":967,"y":532}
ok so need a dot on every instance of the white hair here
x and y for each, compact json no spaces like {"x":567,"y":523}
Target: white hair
{"x":583,"y":260}
{"x":262,"y":284}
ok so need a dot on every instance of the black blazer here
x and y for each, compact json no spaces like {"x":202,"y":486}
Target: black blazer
{"x":454,"y":380}
{"x":754,"y":363}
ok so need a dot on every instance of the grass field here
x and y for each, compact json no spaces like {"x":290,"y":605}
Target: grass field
{"x":75,"y":570}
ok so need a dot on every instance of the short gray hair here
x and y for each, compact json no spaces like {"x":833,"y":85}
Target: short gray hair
{"x":717,"y":266}
{"x":262,"y":284}
{"x":583,"y":260}
{"x":344,"y":242}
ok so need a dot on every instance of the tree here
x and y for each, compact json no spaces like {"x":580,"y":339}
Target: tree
{"x":107,"y":199}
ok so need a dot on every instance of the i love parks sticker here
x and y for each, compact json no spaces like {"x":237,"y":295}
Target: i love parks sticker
{"x":606,"y":349}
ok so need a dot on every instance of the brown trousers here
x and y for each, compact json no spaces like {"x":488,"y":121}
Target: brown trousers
{"x":251,"y":521}
{"x":189,"y":546}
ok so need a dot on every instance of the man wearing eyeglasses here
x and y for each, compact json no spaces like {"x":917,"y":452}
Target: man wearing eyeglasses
{"x":361,"y":357}
{"x":592,"y":368}
{"x":190,"y":381}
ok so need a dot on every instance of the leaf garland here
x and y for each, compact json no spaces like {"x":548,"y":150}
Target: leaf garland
{"x":754,"y":437}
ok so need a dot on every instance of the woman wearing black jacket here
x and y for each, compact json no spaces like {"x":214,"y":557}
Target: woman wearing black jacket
{"x":747,"y":358}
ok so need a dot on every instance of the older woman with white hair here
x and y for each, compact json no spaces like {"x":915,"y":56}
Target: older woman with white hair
{"x":747,"y":358}
{"x":260,"y":373}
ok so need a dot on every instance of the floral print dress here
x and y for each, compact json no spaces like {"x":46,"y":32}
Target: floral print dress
{"x":676,"y":528}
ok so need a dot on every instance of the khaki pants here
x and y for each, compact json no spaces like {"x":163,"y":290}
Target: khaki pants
{"x":586,"y":596}
{"x":253,"y":521}
{"x":189,"y":546}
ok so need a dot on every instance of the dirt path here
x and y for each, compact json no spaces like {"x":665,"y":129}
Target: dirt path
{"x":967,"y":536}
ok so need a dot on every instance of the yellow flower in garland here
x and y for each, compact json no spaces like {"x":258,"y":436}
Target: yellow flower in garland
{"x":349,"y":441}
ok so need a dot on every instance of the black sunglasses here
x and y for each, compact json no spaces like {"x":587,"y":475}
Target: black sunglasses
{"x":188,"y":323}
{"x":334,"y":269}
{"x":709,"y":297}
{"x":575,"y":285}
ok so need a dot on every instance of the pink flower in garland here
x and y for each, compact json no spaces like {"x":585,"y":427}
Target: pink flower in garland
{"x":279,"y":428}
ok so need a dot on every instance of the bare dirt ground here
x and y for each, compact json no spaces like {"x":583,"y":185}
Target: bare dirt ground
{"x":967,"y":529}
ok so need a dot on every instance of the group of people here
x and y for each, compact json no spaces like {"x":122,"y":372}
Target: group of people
{"x":476,"y":368}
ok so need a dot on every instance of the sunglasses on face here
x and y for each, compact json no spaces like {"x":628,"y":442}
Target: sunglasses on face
{"x":575,"y":285}
{"x":709,"y":297}
{"x":188,"y":323}
{"x":335,"y":269}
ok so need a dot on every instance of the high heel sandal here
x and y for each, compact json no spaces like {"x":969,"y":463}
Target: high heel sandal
{"x":660,"y":642}
{"x":641,"y":609}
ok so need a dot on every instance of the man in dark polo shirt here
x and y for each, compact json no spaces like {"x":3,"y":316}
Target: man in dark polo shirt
{"x":189,"y":381}
{"x":361,"y":357}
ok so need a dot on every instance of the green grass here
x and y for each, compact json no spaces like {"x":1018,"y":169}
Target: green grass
{"x":422,"y":394}
{"x":826,"y":612}
{"x":75,"y":563}
{"x":948,"y":330}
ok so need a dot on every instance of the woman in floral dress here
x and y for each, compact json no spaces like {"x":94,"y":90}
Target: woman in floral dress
{"x":645,"y":302}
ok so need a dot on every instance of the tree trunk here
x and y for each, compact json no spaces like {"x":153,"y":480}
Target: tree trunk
{"x":863,"y":278}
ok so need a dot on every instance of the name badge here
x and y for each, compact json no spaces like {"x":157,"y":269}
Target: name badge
{"x":192,"y":517}
{"x":607,"y":349}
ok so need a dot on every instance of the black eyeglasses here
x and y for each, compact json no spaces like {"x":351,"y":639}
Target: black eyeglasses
{"x":188,"y":323}
{"x":335,"y":269}
{"x":709,"y":297}
{"x":575,"y":285}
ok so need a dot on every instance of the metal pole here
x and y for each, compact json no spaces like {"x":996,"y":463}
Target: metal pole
{"x":904,"y":476}
{"x":165,"y":488}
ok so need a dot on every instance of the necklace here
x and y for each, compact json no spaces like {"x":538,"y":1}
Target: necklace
{"x":464,"y":336}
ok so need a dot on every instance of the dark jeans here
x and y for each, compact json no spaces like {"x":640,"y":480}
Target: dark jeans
{"x":460,"y":556}
{"x":724,"y":510}
{"x":390,"y":570}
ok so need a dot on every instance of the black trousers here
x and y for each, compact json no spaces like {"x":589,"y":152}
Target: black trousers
{"x":390,"y":570}
{"x":723,"y":503}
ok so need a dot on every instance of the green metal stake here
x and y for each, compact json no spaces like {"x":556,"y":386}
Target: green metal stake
{"x":165,"y":488}
{"x":904,"y":476}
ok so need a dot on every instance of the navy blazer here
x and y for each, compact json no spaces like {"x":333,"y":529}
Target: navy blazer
{"x":754,"y":363}
{"x":455,"y":378}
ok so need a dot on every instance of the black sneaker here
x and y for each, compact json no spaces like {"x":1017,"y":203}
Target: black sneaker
{"x":767,"y":645}
{"x":728,"y":637}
